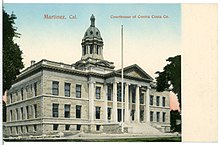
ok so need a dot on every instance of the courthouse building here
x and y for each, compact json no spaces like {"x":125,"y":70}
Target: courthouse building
{"x":52,"y":97}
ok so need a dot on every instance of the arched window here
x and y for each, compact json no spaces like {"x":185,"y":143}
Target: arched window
{"x":97,"y":49}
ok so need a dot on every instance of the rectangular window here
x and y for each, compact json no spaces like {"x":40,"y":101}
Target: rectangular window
{"x":151,"y":116}
{"x":67,"y":127}
{"x":78,"y":127}
{"x":55,"y":127}
{"x":35,"y":110}
{"x":22,"y":113}
{"x":158,"y":116}
{"x":27,"y":112}
{"x":55,"y":110}
{"x":119,"y":92}
{"x":35,"y":127}
{"x":158,"y":100}
{"x":132,"y":114}
{"x":141,"y":115}
{"x":78,"y":111}
{"x":109,"y":93}
{"x":78,"y":91}
{"x":151,"y":100}
{"x":98,"y":92}
{"x":97,"y":112}
{"x":133,"y":95}
{"x":22,"y":94}
{"x":55,"y":88}
{"x":35,"y":89}
{"x":109,"y":113}
{"x":164,"y":116}
{"x":67,"y":89}
{"x":164,"y":99}
{"x":67,"y":111}
{"x":142,"y":98}
{"x":97,"y":127}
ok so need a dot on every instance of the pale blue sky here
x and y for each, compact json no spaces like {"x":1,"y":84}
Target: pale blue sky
{"x":147,"y":42}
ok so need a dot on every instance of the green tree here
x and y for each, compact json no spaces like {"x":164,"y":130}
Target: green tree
{"x":12,"y":60}
{"x":170,"y":77}
{"x":174,"y":116}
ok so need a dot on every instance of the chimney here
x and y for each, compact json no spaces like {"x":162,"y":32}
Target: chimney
{"x":32,"y":62}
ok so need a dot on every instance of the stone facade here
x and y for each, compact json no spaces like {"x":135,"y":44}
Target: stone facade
{"x":51,"y":98}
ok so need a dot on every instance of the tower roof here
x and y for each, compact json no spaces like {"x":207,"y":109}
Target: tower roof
{"x":92,"y":31}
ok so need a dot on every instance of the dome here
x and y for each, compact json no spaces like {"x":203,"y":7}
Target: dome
{"x":92,"y":31}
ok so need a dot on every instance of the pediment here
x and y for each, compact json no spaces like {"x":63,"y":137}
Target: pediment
{"x":136,"y":72}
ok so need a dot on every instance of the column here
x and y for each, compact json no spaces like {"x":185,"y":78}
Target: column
{"x":127,"y":115}
{"x":147,"y":102}
{"x":137,"y":104}
{"x":114,"y":97}
{"x":105,"y":103}
{"x":91,"y":101}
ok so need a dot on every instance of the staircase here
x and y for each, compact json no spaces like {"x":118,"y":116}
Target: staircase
{"x":145,"y":129}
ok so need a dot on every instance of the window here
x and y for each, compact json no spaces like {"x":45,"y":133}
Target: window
{"x":91,"y":49}
{"x":67,"y":127}
{"x":151,"y":100}
{"x":97,"y":112}
{"x":67,"y":111}
{"x":78,"y":111}
{"x":78,"y":127}
{"x":84,"y":50}
{"x":97,"y":127}
{"x":27,"y":112}
{"x":141,"y":115}
{"x":132,"y":114}
{"x":97,"y":50}
{"x":109,"y":93}
{"x":151,"y":116}
{"x":35,"y":110}
{"x":109,"y":113}
{"x":22,"y":113}
{"x":22,"y":94}
{"x":78,"y":91}
{"x":133,"y":95}
{"x":164,"y":99}
{"x":35,"y":89}
{"x":164,"y":116}
{"x":118,"y":92}
{"x":67,"y":89}
{"x":158,"y":116}
{"x":55,"y":110}
{"x":55,"y":127}
{"x":142,"y":98}
{"x":55,"y":88}
{"x":35,"y":127}
{"x":158,"y":100}
{"x":98,"y":90}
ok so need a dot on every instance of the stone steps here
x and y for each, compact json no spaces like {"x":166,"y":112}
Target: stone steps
{"x":145,"y":129}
